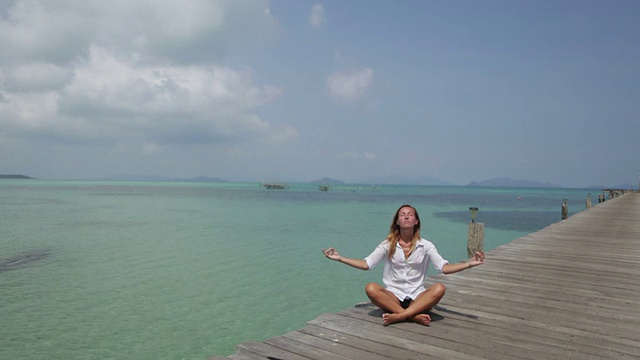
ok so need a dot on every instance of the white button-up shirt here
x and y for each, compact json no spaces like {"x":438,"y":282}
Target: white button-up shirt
{"x":405,"y":277}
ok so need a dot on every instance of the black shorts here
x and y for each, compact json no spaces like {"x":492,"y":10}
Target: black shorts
{"x":405,"y":303}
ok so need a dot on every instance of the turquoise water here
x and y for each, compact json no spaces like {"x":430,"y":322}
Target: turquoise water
{"x":134,"y":270}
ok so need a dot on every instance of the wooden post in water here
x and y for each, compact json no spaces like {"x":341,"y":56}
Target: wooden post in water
{"x":475,"y":236}
{"x":588,"y":201}
{"x":565,"y":209}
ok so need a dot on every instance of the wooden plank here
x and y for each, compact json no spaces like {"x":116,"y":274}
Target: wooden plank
{"x":494,"y":332}
{"x":586,"y":320}
{"x":291,"y":343}
{"x":521,"y":332}
{"x":534,"y":277}
{"x":415,"y":337}
{"x":372,"y":345}
{"x":584,"y":266}
{"x":350,"y":346}
{"x":543,"y":279}
{"x":265,"y":351}
{"x":621,"y":310}
{"x":315,"y":337}
{"x":240,"y":355}
{"x":629,"y":346}
{"x":578,"y":296}
{"x":568,"y":268}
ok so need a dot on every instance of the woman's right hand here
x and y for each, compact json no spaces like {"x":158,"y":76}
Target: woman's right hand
{"x":331,"y":253}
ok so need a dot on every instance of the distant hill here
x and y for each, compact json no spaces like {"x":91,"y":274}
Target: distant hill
{"x":509,"y":182}
{"x":327,"y":181}
{"x":160,"y":178}
{"x":14,"y":176}
{"x":620,"y":186}
{"x":202,"y":179}
{"x":402,"y":180}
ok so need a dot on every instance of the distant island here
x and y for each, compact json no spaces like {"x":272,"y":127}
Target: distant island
{"x":161,"y":178}
{"x":14,"y":176}
{"x":509,"y":182}
{"x":619,"y":186}
{"x":391,"y":180}
{"x":431,"y":181}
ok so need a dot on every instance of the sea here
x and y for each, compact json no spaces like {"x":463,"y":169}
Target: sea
{"x":179,"y":270}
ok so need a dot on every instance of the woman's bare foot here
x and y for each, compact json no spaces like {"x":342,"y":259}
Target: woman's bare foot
{"x":422,"y":319}
{"x":389,"y":318}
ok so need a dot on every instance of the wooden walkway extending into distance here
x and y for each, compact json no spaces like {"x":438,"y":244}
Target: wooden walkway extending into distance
{"x":571,"y":290}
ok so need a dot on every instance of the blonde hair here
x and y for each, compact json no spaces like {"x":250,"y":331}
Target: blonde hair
{"x":394,"y":231}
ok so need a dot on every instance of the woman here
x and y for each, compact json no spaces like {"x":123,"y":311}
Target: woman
{"x":406,"y":259}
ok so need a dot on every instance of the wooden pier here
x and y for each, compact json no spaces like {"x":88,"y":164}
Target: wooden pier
{"x":571,"y":290}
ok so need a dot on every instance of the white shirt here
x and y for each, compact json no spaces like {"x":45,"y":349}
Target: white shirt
{"x":405,"y":277}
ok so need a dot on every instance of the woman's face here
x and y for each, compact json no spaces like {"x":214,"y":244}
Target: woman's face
{"x":407,"y":218}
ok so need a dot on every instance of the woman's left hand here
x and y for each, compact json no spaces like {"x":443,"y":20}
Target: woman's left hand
{"x":478,"y":259}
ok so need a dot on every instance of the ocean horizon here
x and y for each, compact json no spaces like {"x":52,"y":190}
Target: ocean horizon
{"x":188,"y":270}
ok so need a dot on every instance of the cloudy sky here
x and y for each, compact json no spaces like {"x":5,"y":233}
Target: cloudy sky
{"x":281,"y":90}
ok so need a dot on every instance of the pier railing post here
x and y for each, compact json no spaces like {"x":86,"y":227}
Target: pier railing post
{"x":475,"y":236}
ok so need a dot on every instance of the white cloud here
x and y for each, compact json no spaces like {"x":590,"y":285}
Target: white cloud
{"x":140,"y":72}
{"x":109,"y":98}
{"x":350,"y":86}
{"x":41,"y":31}
{"x":151,"y":149}
{"x":35,"y":77}
{"x":60,"y":31}
{"x":353,"y":155}
{"x":317,"y":18}
{"x":370,"y":156}
{"x":348,"y":155}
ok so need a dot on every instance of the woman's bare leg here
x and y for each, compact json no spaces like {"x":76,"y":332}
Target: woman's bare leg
{"x":383,"y":298}
{"x":386,"y":300}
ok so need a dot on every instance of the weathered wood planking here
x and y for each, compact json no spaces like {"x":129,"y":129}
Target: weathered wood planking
{"x":571,"y":290}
